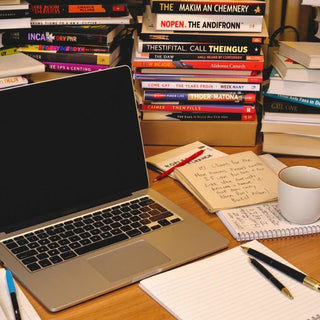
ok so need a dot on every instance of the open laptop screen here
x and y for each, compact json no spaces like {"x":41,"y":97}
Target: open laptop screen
{"x":68,"y":144}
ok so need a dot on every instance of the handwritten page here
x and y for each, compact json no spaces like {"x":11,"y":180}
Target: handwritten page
{"x":262,"y":221}
{"x":232,"y":181}
{"x":166,"y":160}
{"x":26,"y":309}
{"x":226,"y":286}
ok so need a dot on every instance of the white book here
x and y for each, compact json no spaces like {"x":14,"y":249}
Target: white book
{"x":293,"y":88}
{"x":12,"y":81}
{"x":15,"y":23}
{"x":294,"y":71}
{"x":304,"y":52}
{"x":208,"y":22}
{"x":19,"y":64}
{"x":226,"y":286}
{"x":223,"y":86}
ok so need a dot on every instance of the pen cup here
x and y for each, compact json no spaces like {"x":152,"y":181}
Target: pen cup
{"x":299,"y":194}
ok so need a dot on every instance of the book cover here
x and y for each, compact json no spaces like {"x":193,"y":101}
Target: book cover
{"x":245,"y":109}
{"x":150,"y":33}
{"x":230,"y":7}
{"x":210,"y":23}
{"x":196,"y":116}
{"x":198,"y":47}
{"x":64,"y":37}
{"x":200,"y":77}
{"x":72,"y":67}
{"x":81,"y":21}
{"x":305,"y":101}
{"x":304,"y":52}
{"x":197,"y":64}
{"x":291,"y":70}
{"x":277,"y":105}
{"x":7,"y":82}
{"x":93,"y":9}
{"x":82,"y":49}
{"x":19,"y":64}
{"x":73,"y":57}
{"x":188,"y":85}
{"x":215,"y":97}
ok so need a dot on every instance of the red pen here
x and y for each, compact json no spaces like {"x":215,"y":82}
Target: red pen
{"x":183,"y":162}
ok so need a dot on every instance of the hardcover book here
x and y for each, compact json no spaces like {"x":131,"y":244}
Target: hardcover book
{"x":230,"y":7}
{"x":12,"y":11}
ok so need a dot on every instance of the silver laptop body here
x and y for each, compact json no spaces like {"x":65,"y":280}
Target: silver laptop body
{"x":72,"y":147}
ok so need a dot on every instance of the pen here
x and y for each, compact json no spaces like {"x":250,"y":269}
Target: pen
{"x":183,"y":162}
{"x":295,"y":274}
{"x":271,"y":277}
{"x":13,"y":296}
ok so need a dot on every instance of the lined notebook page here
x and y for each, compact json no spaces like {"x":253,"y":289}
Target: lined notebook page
{"x":26,"y":309}
{"x":227,"y":286}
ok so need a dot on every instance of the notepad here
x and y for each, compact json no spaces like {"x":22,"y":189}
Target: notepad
{"x":6,"y":312}
{"x":226,"y":286}
{"x":231,"y":181}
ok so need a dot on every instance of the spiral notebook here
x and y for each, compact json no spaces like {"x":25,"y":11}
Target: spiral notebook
{"x":226,"y":286}
{"x":262,"y":221}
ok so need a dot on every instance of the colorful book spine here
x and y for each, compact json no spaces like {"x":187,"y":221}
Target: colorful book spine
{"x":72,"y":67}
{"x":283,"y":106}
{"x":222,"y":39}
{"x":216,"y":97}
{"x":70,"y":57}
{"x":197,"y":116}
{"x":311,"y":102}
{"x":199,"y":77}
{"x":198,"y":64}
{"x":195,"y":56}
{"x":209,"y":7}
{"x":208,"y":23}
{"x":8,"y":50}
{"x":184,"y":85}
{"x":82,"y":49}
{"x":199,"y":108}
{"x":198,"y":47}
{"x":50,"y":10}
{"x":12,"y":81}
{"x":35,"y":35}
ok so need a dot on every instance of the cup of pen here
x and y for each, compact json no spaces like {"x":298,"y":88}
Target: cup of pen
{"x":299,"y":194}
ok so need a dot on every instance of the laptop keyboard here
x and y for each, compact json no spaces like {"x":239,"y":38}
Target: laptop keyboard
{"x":57,"y":243}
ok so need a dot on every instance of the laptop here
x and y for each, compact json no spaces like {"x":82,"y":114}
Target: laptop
{"x":78,"y":218}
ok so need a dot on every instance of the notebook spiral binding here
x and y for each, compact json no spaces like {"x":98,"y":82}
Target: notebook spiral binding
{"x":316,"y":317}
{"x":276,"y":233}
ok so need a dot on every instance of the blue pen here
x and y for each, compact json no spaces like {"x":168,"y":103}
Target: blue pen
{"x":13,"y":295}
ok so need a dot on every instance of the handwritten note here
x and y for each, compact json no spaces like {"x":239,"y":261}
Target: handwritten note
{"x":226,"y":182}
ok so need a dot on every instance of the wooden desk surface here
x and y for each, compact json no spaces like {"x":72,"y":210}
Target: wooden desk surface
{"x":132,"y":303}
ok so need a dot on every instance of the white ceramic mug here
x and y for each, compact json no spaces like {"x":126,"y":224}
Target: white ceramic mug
{"x":299,"y":194}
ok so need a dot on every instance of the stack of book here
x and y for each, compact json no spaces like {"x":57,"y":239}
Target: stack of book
{"x":291,"y":102}
{"x":199,"y":63}
{"x":15,"y":67}
{"x":73,"y":36}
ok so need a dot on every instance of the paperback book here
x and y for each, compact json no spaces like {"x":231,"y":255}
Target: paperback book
{"x":214,"y":97}
{"x":209,"y":23}
{"x":12,"y":11}
{"x":230,"y":7}
{"x":72,"y":67}
{"x":150,"y":33}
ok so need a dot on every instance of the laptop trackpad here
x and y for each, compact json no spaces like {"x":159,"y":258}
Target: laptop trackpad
{"x":128,"y":261}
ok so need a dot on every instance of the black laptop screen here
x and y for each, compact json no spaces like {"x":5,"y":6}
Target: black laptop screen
{"x":68,"y":144}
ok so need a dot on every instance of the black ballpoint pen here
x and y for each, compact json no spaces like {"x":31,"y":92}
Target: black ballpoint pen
{"x":13,"y":296}
{"x":271,"y":277}
{"x":293,"y":273}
